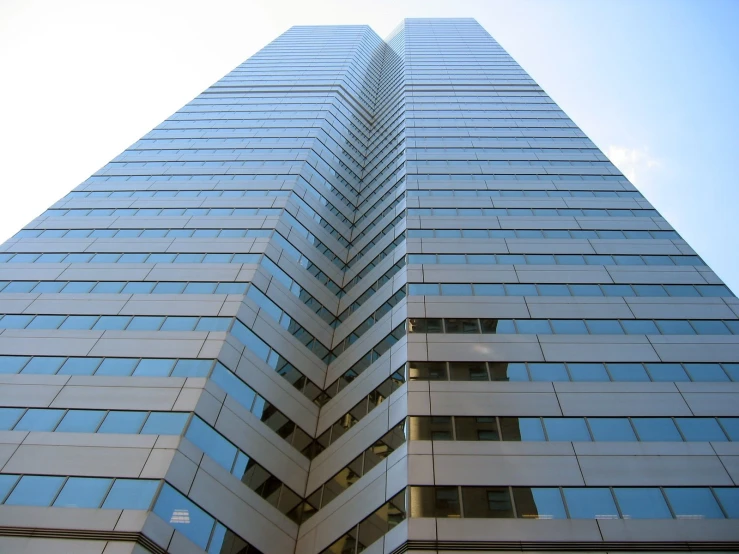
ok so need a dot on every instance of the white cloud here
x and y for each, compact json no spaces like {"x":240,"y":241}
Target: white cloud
{"x":636,"y":163}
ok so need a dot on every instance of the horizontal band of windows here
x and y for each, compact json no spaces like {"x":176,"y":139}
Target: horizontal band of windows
{"x":138,"y":367}
{"x":530,"y":212}
{"x":92,"y":421}
{"x":175,"y":194}
{"x":130,"y":258}
{"x":575,"y":502}
{"x":153,"y":212}
{"x":574,"y":326}
{"x":116,"y":322}
{"x":142,"y":233}
{"x":416,"y":178}
{"x":555,"y":259}
{"x":572,"y":371}
{"x":538,"y":234}
{"x":573,"y":429}
{"x":556,"y":289}
{"x":462,"y":193}
{"x":122,"y":287}
{"x":77,"y":492}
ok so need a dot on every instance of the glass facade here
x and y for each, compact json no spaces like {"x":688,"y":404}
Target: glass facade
{"x":354,"y":286}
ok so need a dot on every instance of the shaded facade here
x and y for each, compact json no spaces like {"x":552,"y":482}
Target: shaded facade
{"x":365,"y":296}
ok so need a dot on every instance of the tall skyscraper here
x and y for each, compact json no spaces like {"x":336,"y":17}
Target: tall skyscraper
{"x":365,"y":296}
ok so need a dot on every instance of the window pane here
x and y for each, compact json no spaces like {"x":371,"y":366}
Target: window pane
{"x":162,"y":423}
{"x":44,"y":365}
{"x":123,"y":422}
{"x":604,"y":327}
{"x":521,"y":429}
{"x":81,"y":421}
{"x":12,"y":364}
{"x":179,"y":512}
{"x":533,"y":326}
{"x":709,"y":327}
{"x":566,"y":429}
{"x":642,"y":503}
{"x":154,"y":368}
{"x":501,"y":371}
{"x":117,"y":366}
{"x":656,"y":429}
{"x":548,"y":372}
{"x":729,"y":499}
{"x":83,"y":493}
{"x":569,"y":327}
{"x":628,"y":372}
{"x":80,"y":366}
{"x":79,"y":322}
{"x":611,"y":429}
{"x":145,"y":323}
{"x":639,"y":327}
{"x":420,"y":289}
{"x":35,"y":490}
{"x":693,"y":503}
{"x":210,"y":442}
{"x":699,"y":372}
{"x":588,"y":372}
{"x":456,"y":289}
{"x":6,"y":483}
{"x":539,"y":503}
{"x":111,"y":322}
{"x":131,"y":494}
{"x":594,"y":503}
{"x":213,"y":324}
{"x":476,"y":429}
{"x":700,"y":429}
{"x":434,"y":502}
{"x":39,"y":420}
{"x":192,"y":368}
{"x":667,"y":372}
{"x":179,"y":324}
{"x":674,"y":327}
{"x":46,"y":322}
{"x":486,"y":502}
{"x":731,"y":426}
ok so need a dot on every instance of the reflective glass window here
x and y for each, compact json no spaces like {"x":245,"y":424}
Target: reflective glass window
{"x":39,"y":419}
{"x":702,"y":372}
{"x":588,"y":372}
{"x":44,"y":365}
{"x":81,"y":492}
{"x":521,"y":429}
{"x":611,"y":429}
{"x":81,"y":421}
{"x":539,"y":503}
{"x":12,"y":364}
{"x":656,"y":429}
{"x":642,"y":503}
{"x":548,"y":372}
{"x":117,"y":366}
{"x":179,"y":512}
{"x":80,"y":366}
{"x":35,"y":490}
{"x":628,"y":372}
{"x":693,"y":503}
{"x":700,"y":429}
{"x":729,"y":499}
{"x":590,"y":503}
{"x":566,"y":429}
{"x":154,"y":367}
{"x":123,"y":422}
{"x":131,"y":494}
{"x":667,"y":372}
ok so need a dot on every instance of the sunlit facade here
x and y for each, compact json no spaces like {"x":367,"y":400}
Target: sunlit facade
{"x":365,"y":295}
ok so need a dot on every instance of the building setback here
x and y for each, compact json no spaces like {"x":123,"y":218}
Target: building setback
{"x":365,"y":296}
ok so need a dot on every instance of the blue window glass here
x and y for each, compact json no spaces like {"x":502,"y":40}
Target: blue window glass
{"x":733,"y":325}
{"x":511,"y":259}
{"x":169,"y":288}
{"x":164,"y":423}
{"x":15,"y":321}
{"x":212,"y":443}
{"x":145,"y":323}
{"x":213,"y":324}
{"x":521,"y":290}
{"x":19,"y":286}
{"x":656,"y":429}
{"x":456,"y":289}
{"x":250,"y":340}
{"x":123,"y":422}
{"x":217,"y":258}
{"x":729,"y":499}
{"x":650,"y":290}
{"x":138,"y":288}
{"x":521,"y":429}
{"x":81,"y":492}
{"x":80,"y":366}
{"x":586,"y":290}
{"x":482,"y":289}
{"x":588,"y":372}
{"x":539,"y":503}
{"x":43,"y":365}
{"x":667,"y":372}
{"x":133,"y":258}
{"x":420,"y":289}
{"x":177,"y":323}
{"x":12,"y":364}
{"x":9,"y":417}
{"x":566,"y":429}
{"x":6,"y":483}
{"x":710,"y":327}
{"x":246,"y":258}
{"x":628,"y":260}
{"x":590,"y":503}
{"x":111,"y":322}
{"x":706,"y":372}
{"x":681,"y":290}
{"x":639,"y":327}
{"x":700,"y":429}
{"x":533,"y":326}
{"x":421,"y":258}
{"x":48,"y":287}
{"x":693,"y":503}
{"x":642,"y":503}
{"x":200,"y":288}
{"x":628,"y":372}
{"x":674,"y":327}
{"x":548,"y":372}
{"x":161,"y":258}
{"x":79,"y":322}
{"x":611,"y":429}
{"x":569,"y":327}
{"x":37,"y":419}
{"x":231,"y":288}
{"x":131,"y":494}
{"x":117,"y":366}
{"x":713,"y":290}
{"x":554,"y":290}
{"x":35,"y":490}
{"x":192,"y":368}
{"x":451,"y":258}
{"x":179,"y":512}
{"x":731,"y":369}
{"x":604,"y":327}
{"x":81,"y":421}
{"x":731,"y":426}
{"x":154,"y":368}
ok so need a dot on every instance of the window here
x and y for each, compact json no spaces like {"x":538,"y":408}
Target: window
{"x":693,"y":503}
{"x":539,"y":503}
{"x":642,"y":503}
{"x":83,"y":493}
{"x":590,"y":503}
{"x":35,"y":490}
{"x":131,"y":494}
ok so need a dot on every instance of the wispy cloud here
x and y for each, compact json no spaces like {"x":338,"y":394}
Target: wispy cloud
{"x":635,"y":163}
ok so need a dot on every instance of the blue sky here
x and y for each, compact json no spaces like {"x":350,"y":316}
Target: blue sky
{"x":652,"y":82}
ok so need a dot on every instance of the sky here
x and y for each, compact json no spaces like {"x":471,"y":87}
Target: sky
{"x":652,"y":82}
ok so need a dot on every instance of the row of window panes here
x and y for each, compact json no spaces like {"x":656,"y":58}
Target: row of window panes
{"x":154,"y":212}
{"x":400,"y":239}
{"x":123,"y":287}
{"x":92,"y":421}
{"x":174,"y":193}
{"x":130,"y":258}
{"x":538,"y":234}
{"x":526,"y":192}
{"x":77,"y":492}
{"x":314,"y":270}
{"x":142,"y":233}
{"x":115,"y":322}
{"x":574,"y":429}
{"x":372,"y":528}
{"x":554,"y":259}
{"x":530,"y":212}
{"x":138,"y":367}
{"x":574,"y":326}
{"x":571,"y":371}
{"x":575,"y":502}
{"x":500,"y":177}
{"x":557,"y":289}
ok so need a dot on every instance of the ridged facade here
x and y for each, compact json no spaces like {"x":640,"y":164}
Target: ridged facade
{"x":365,"y":296}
